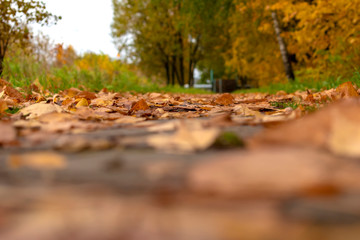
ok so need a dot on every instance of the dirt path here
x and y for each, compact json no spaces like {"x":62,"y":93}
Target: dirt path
{"x":80,"y":165}
{"x":131,"y":191}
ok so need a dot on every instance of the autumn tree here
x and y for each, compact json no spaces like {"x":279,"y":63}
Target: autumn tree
{"x":169,"y":37}
{"x":322,"y":38}
{"x":326,"y":34}
{"x":15,"y":17}
{"x":254,"y":51}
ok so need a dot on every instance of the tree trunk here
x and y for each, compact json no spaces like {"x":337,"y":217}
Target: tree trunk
{"x":284,"y":53}
{"x":175,"y":70}
{"x":181,"y":61}
{"x":193,"y":61}
{"x":167,"y":69}
{"x":191,"y":74}
{"x":1,"y":65}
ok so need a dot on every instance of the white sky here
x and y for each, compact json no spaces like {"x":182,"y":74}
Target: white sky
{"x":85,"y":24}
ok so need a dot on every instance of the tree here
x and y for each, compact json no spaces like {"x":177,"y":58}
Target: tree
{"x":170,"y":37}
{"x":283,"y":49}
{"x":254,"y":51}
{"x":15,"y":16}
{"x":322,"y":37}
{"x":326,"y":34}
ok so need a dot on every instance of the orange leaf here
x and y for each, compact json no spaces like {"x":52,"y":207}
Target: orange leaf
{"x":3,"y":106}
{"x":347,"y":90}
{"x":12,"y":92}
{"x":225,"y":99}
{"x":140,"y":105}
{"x":87,"y":95}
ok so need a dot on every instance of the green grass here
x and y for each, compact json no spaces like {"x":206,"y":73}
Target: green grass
{"x":21,"y":71}
{"x":293,"y":105}
{"x":12,"y":110}
{"x":304,"y":84}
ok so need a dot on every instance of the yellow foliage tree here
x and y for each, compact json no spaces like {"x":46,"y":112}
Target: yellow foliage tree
{"x":254,"y":52}
{"x":321,"y":35}
{"x":327,"y":33}
{"x":64,"y":56}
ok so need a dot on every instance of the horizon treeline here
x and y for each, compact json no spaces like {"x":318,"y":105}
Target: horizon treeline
{"x":237,"y":38}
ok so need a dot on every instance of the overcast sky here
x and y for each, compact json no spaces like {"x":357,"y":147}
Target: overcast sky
{"x":85,"y":24}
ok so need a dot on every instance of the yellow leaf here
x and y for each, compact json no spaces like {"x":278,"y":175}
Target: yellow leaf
{"x":82,"y":103}
{"x":3,"y":106}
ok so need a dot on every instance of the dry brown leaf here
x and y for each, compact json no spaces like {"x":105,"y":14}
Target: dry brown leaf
{"x":243,"y":110}
{"x":36,"y":86}
{"x":281,"y":93}
{"x":344,"y":136}
{"x":37,"y":160}
{"x":12,"y":92}
{"x":347,"y":90}
{"x":38,"y":109}
{"x":87,"y":95}
{"x":224,"y":99}
{"x":190,"y":136}
{"x":56,"y":117}
{"x":72,"y":92}
{"x":140,"y":105}
{"x":4,"y":83}
{"x":102,"y":102}
{"x":267,"y":172}
{"x":336,"y":127}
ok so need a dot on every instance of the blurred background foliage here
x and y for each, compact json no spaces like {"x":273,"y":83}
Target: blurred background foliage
{"x":178,"y":42}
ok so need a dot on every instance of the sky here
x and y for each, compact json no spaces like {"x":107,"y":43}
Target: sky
{"x":85,"y":24}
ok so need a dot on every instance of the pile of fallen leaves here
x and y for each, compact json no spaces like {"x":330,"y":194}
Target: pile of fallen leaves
{"x":28,"y":118}
{"x":299,"y":167}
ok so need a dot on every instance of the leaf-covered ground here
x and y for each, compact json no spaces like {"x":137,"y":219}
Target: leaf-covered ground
{"x":84,"y":165}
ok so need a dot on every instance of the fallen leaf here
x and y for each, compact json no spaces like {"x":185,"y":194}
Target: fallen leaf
{"x":335,"y":127}
{"x":4,"y":83}
{"x":12,"y":92}
{"x":347,"y":90}
{"x":87,"y":95}
{"x":190,"y":136}
{"x":71,"y":92}
{"x":38,"y":109}
{"x":56,"y":117}
{"x":83,"y":102}
{"x":3,"y":106}
{"x":245,"y":111}
{"x":281,"y":93}
{"x":224,"y":99}
{"x":140,"y":105}
{"x":37,"y":160}
{"x":267,"y":173}
{"x":344,"y":136}
{"x":36,"y":86}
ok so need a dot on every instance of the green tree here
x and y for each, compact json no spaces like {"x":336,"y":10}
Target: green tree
{"x":15,"y":17}
{"x":170,"y":37}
